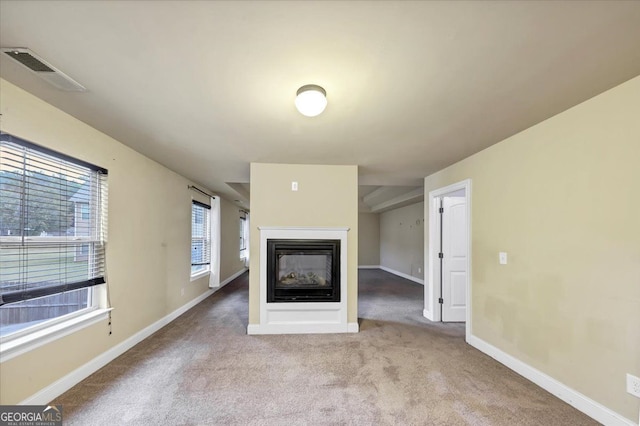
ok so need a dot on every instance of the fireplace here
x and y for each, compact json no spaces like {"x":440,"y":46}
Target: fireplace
{"x":303,"y":281}
{"x":303,"y":270}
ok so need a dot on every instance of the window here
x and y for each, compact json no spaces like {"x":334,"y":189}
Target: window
{"x":244,"y":235}
{"x":52,"y":228}
{"x":200,"y":238}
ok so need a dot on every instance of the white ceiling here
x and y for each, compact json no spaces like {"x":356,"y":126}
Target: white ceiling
{"x":207,"y":87}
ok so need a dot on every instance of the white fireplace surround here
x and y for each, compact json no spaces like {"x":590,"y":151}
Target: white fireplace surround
{"x":303,"y":317}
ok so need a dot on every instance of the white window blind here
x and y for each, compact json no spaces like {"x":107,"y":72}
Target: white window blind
{"x":200,"y":237}
{"x":52,"y":223}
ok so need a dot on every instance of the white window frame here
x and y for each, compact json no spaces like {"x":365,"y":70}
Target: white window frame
{"x":207,"y":271}
{"x":30,"y":338}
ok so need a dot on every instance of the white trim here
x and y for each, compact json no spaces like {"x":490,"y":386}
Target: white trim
{"x":20,"y":345}
{"x":353,"y":327}
{"x":214,"y":278}
{"x":402,"y":274}
{"x":57,"y":388}
{"x":368,"y":266}
{"x":572,"y":397}
{"x":431,"y":290}
{"x":199,"y":275}
{"x":431,"y":311}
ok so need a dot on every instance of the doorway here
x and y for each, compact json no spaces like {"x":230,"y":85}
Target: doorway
{"x":448,"y":287}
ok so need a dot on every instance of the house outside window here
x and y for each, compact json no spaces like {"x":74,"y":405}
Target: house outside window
{"x":84,"y":211}
{"x":200,"y":239}
{"x":51,"y":254}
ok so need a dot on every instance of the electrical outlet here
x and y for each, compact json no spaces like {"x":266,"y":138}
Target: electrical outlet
{"x":633,"y":385}
{"x":419,"y":270}
{"x":182,"y":292}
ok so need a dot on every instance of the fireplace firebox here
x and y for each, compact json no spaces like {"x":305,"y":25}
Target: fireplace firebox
{"x":303,"y":271}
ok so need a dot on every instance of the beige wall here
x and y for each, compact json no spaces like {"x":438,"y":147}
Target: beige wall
{"x":230,"y":262}
{"x":148,"y":250}
{"x":368,"y":239}
{"x":402,"y":240}
{"x":563,"y":199}
{"x":327,"y":196}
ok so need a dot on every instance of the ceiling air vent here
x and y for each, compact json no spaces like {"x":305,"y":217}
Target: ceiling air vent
{"x":43,"y":69}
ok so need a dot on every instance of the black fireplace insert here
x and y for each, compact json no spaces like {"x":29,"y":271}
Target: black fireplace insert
{"x":303,"y":271}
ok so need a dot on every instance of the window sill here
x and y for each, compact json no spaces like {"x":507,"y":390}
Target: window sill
{"x":200,"y":275}
{"x":21,"y":345}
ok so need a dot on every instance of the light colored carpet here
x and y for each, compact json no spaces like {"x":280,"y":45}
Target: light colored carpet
{"x":399,"y":370}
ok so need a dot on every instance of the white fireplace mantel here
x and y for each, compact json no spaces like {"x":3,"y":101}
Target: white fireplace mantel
{"x":309,"y":317}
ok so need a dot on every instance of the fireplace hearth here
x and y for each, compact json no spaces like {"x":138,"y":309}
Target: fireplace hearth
{"x":303,"y":270}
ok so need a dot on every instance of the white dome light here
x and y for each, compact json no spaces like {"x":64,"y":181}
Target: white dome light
{"x":311,"y":100}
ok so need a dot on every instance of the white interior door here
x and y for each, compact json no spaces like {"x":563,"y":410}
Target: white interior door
{"x":454,"y":259}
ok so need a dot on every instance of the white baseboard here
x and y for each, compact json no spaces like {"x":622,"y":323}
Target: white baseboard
{"x":231,"y":278}
{"x":368,"y":266}
{"x":427,"y":314}
{"x":572,"y":397}
{"x":65,"y":383}
{"x":402,"y":274}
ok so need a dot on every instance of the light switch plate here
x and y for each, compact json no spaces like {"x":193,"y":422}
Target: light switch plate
{"x":502,"y":257}
{"x":294,"y":186}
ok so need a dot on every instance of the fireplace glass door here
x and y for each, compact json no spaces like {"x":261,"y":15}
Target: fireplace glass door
{"x":303,"y":271}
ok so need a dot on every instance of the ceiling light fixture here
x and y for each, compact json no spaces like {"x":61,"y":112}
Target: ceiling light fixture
{"x":311,"y":100}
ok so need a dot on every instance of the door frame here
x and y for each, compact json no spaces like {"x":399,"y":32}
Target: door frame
{"x":432,"y":265}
